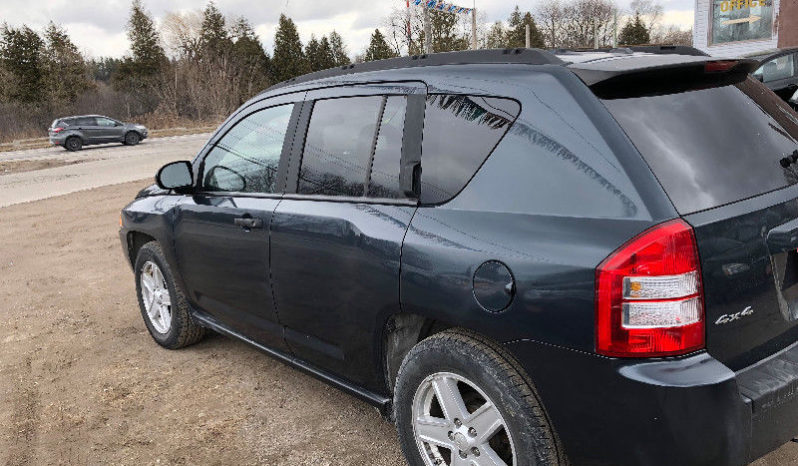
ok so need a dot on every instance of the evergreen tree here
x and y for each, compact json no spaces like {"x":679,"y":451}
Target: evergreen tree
{"x":445,"y":37}
{"x":634,"y":32}
{"x":339,"y":52}
{"x":516,"y":34}
{"x":253,"y":62}
{"x":378,"y":48}
{"x":145,"y":43}
{"x":66,"y":73}
{"x":213,"y":39}
{"x":326,"y":57}
{"x":289,"y":60}
{"x":21,"y":52}
{"x":312,"y":53}
{"x":497,"y":37}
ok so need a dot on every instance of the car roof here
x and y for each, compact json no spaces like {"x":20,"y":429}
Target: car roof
{"x":768,"y":55}
{"x":85,"y":116}
{"x":607,"y":62}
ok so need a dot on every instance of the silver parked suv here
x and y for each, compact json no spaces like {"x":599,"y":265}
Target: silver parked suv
{"x":77,"y":131}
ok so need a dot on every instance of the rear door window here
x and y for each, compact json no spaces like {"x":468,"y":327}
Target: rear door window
{"x":337,"y":155}
{"x":384,"y":179}
{"x":460,"y":131}
{"x":709,"y":147}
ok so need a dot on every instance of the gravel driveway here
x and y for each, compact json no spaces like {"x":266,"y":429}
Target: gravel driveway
{"x":81,"y":381}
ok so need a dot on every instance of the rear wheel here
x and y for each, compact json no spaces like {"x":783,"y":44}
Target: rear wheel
{"x":460,"y":400}
{"x":163,"y":304}
{"x":73,"y":144}
{"x":132,"y":138}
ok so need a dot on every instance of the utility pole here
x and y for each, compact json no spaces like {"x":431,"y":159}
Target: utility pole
{"x":528,"y":37}
{"x":615,"y":29}
{"x":474,"y":45}
{"x":427,"y":33}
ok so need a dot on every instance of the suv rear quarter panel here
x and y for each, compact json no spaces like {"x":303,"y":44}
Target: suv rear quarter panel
{"x":562,"y":190}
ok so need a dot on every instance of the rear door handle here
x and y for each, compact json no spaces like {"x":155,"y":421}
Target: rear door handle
{"x":249,"y":222}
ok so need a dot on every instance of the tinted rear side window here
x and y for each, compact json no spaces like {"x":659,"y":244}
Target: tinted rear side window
{"x":337,"y":153}
{"x":460,"y":132}
{"x":714,"y":146}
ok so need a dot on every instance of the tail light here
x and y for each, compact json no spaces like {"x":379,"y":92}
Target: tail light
{"x":649,"y":300}
{"x":57,"y":130}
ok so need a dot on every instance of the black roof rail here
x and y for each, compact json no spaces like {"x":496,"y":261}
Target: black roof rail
{"x":669,"y":50}
{"x":470,"y":57}
{"x":629,"y":49}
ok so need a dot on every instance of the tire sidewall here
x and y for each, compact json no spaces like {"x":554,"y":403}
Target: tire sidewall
{"x":432,"y":356}
{"x":150,"y":254}
{"x":136,"y":139}
{"x":76,"y":147}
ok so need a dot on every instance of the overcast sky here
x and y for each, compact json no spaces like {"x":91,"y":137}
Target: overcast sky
{"x":97,"y":26}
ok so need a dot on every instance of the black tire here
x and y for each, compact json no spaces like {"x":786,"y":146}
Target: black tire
{"x":496,"y":373}
{"x":73,"y":144}
{"x":132,"y":138}
{"x":184,"y":329}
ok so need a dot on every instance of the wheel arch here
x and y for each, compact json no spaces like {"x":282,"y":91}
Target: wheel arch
{"x":135,"y":240}
{"x":402,"y":331}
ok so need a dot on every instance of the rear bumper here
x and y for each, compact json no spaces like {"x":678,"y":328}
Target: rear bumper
{"x":688,"y":411}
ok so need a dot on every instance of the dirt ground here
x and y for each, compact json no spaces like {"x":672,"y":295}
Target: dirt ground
{"x":19,"y":166}
{"x":81,"y":382}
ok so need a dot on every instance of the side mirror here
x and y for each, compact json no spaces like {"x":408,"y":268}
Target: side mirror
{"x":175,"y":175}
{"x":221,"y":178}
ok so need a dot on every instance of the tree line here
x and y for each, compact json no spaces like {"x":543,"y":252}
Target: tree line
{"x":198,"y":66}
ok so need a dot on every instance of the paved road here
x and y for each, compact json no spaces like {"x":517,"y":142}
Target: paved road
{"x":100,"y":166}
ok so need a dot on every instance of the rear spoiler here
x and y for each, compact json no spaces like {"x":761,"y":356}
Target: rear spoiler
{"x":637,"y":75}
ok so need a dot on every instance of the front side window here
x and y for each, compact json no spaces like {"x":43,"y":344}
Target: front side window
{"x":338,"y":146}
{"x":741,"y":20}
{"x":246,"y":159}
{"x":460,"y":132}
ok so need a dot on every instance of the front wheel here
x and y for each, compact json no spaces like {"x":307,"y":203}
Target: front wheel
{"x":460,"y":400}
{"x":132,"y":138}
{"x":163,"y":305}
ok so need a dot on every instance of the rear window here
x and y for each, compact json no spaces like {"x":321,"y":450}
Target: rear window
{"x":710,"y":147}
{"x":460,"y":131}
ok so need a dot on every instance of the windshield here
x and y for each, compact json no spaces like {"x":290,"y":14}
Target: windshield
{"x":709,"y":147}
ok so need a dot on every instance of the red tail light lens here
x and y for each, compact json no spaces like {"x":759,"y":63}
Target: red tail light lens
{"x":57,"y":130}
{"x":720,"y":66}
{"x":649,"y":300}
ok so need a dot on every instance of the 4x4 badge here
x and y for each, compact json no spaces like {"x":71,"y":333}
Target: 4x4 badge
{"x":726,"y":318}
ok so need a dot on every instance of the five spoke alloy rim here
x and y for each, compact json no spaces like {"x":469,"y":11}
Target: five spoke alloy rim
{"x":155,"y":296}
{"x":456,"y":424}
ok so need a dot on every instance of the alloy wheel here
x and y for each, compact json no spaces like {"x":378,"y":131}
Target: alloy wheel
{"x":456,"y":424}
{"x":155,"y":296}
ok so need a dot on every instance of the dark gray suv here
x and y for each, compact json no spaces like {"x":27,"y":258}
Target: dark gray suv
{"x":77,"y":131}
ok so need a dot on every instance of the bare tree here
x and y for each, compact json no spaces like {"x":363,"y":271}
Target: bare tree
{"x":672,"y":35}
{"x":650,"y":11}
{"x":181,"y":33}
{"x":577,"y":23}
